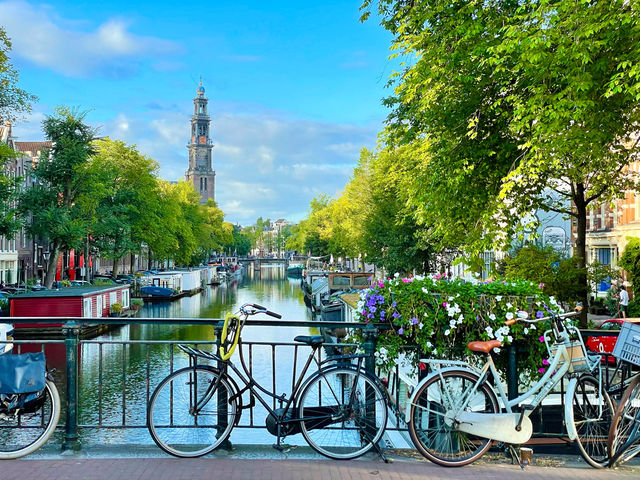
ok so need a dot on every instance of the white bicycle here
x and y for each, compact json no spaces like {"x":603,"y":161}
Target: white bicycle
{"x":454,"y":414}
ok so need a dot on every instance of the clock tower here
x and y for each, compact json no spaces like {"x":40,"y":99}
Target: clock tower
{"x":200,"y":173}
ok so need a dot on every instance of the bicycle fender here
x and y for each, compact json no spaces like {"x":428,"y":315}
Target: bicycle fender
{"x":411,"y":400}
{"x":568,"y":409}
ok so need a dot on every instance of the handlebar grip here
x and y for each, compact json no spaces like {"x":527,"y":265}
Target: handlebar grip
{"x":511,"y":322}
{"x":273,"y":314}
{"x":258,"y":307}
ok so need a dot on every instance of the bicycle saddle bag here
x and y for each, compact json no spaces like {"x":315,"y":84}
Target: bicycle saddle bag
{"x":23,"y":373}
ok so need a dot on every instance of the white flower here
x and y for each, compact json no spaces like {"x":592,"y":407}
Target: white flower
{"x":452,"y":323}
{"x":424,"y":290}
{"x":492,"y":316}
{"x":510,"y":338}
{"x":509,"y":305}
{"x":420,"y":325}
{"x":450,"y":299}
{"x":435,"y":351}
{"x":460,"y":318}
{"x":509,"y":315}
{"x":498,"y":298}
{"x":526,"y":331}
{"x":497,"y":350}
{"x":446,"y":333}
{"x":396,"y":275}
{"x":429,"y":345}
{"x":532,"y":327}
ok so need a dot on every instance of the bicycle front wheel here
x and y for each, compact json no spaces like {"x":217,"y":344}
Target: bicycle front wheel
{"x":172,"y":419}
{"x":433,"y":433}
{"x":592,"y":414}
{"x":25,"y":432}
{"x":343,"y":412}
{"x":624,"y":434}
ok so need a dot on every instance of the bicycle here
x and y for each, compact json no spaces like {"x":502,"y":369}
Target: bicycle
{"x":29,"y":404}
{"x":340,"y":409}
{"x":454,"y":415}
{"x":624,"y":433}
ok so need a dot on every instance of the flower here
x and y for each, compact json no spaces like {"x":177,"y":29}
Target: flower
{"x":545,"y":362}
{"x":539,"y":314}
{"x":541,"y":286}
{"x":541,"y":339}
{"x":401,"y":331}
{"x":509,"y":315}
{"x":414,"y":321}
{"x":541,"y":370}
{"x":498,"y":298}
{"x":447,"y":332}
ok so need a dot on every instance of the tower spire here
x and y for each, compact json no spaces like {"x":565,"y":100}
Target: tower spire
{"x":200,"y":172}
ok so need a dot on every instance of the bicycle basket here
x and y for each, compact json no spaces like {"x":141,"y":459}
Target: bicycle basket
{"x":578,"y":355}
{"x":23,"y":373}
{"x":627,"y":346}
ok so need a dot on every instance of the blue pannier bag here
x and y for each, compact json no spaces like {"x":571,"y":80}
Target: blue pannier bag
{"x":23,"y":373}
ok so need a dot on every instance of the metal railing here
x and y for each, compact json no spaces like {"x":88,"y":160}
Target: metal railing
{"x":116,"y":377}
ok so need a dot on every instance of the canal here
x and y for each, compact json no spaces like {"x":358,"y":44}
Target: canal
{"x":113,"y":379}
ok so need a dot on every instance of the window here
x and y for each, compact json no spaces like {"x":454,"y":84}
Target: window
{"x":603,"y":255}
{"x":99,"y":305}
{"x":86,"y":306}
{"x":125,"y":298}
{"x":113,"y":297}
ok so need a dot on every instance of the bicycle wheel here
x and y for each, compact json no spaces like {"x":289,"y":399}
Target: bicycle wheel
{"x":431,"y":430}
{"x":624,"y":434}
{"x":591,"y":415}
{"x":25,"y":432}
{"x":171,"y":419}
{"x":344,"y":413}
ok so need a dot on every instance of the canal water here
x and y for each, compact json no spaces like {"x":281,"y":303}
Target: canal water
{"x":114,"y":389}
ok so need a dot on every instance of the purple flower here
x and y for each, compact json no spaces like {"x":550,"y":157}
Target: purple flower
{"x":444,"y":304}
{"x":401,"y":331}
{"x":541,"y":339}
{"x":414,"y":321}
{"x":382,"y":314}
{"x":393,"y":305}
{"x":539,"y":314}
{"x":372,"y":309}
{"x":395,"y":315}
{"x":541,"y":370}
{"x":545,"y":362}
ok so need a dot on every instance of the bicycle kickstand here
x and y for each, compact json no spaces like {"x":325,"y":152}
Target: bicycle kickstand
{"x":515,"y":456}
{"x":381,"y":453}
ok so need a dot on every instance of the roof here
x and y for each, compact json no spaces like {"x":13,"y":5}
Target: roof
{"x":32,"y":146}
{"x":350,"y":299}
{"x":69,"y":292}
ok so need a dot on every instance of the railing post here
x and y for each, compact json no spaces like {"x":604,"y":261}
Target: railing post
{"x":370,"y":334}
{"x":71,"y":331}
{"x":512,"y":372}
{"x":223,"y":395}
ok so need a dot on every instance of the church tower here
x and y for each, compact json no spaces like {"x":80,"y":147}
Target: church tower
{"x":200,"y":173}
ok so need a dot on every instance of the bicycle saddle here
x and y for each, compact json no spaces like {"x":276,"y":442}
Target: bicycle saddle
{"x":311,"y":340}
{"x":484,"y":347}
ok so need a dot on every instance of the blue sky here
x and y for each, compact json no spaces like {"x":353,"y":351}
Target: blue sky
{"x":294,"y":89}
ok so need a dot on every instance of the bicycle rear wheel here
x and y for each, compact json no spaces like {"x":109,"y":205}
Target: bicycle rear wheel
{"x":171,"y":420}
{"x":592,"y":414}
{"x":344,"y":413}
{"x":431,"y":430}
{"x":624,"y":434}
{"x":27,"y":430}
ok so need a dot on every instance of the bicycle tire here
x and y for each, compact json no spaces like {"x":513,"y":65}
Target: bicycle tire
{"x":330,"y":424}
{"x":591,"y":414}
{"x":25,"y":433}
{"x":171,"y":423}
{"x":627,"y":416}
{"x":432,"y":437}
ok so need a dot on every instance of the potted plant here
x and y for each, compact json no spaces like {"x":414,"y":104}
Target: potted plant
{"x":136,"y":303}
{"x":116,"y":308}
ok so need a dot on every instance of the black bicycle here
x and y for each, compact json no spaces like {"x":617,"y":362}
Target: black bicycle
{"x":340,"y":409}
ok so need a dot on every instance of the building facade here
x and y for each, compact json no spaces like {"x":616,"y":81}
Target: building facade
{"x":200,"y":172}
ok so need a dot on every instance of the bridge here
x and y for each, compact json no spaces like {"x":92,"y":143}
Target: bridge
{"x":257,"y":262}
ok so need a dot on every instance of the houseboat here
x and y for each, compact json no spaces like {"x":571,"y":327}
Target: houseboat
{"x":79,"y":302}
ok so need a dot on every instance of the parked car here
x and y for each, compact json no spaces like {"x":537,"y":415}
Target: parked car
{"x":605,"y":344}
{"x":80,"y":283}
{"x":106,"y":280}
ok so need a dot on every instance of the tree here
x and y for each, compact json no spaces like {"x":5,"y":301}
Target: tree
{"x":630,"y":261}
{"x":9,"y":190}
{"x":125,"y":187}
{"x":520,"y":96}
{"x":13,"y":100}
{"x":60,"y":181}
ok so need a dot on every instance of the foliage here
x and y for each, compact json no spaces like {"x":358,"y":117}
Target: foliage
{"x":440,"y":317}
{"x":13,"y":100}
{"x":124,"y":190}
{"x":630,"y":261}
{"x":9,"y":190}
{"x":503,"y":100}
{"x":534,"y":264}
{"x":116,"y":307}
{"x":52,"y":203}
{"x":137,"y":303}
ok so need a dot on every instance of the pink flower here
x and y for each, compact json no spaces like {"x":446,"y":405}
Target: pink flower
{"x":541,"y":339}
{"x":405,"y":280}
{"x":541,"y":370}
{"x":541,"y":286}
{"x":545,"y":362}
{"x":444,"y":304}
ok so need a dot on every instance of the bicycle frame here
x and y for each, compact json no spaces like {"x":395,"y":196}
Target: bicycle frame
{"x":249,"y":384}
{"x":558,"y":368}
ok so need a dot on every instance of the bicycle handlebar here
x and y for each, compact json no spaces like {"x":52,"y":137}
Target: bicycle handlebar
{"x":259,"y":309}
{"x":543,"y":319}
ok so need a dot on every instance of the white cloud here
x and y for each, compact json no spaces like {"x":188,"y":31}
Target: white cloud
{"x":110,"y":50}
{"x":267,"y":164}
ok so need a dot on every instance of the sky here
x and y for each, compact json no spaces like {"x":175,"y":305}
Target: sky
{"x":295,"y":89}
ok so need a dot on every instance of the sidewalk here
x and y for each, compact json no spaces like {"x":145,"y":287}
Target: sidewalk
{"x":492,"y":466}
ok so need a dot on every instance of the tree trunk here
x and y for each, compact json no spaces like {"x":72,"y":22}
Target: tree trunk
{"x":580,"y":252}
{"x":52,"y":265}
{"x":114,"y":272}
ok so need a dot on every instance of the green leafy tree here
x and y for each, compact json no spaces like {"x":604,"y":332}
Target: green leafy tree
{"x":518,"y":96}
{"x":630,"y":261}
{"x":52,"y":204}
{"x":9,"y":189}
{"x":124,"y":191}
{"x":13,"y":100}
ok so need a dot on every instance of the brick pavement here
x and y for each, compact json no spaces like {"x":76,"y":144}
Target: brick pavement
{"x":73,"y":468}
